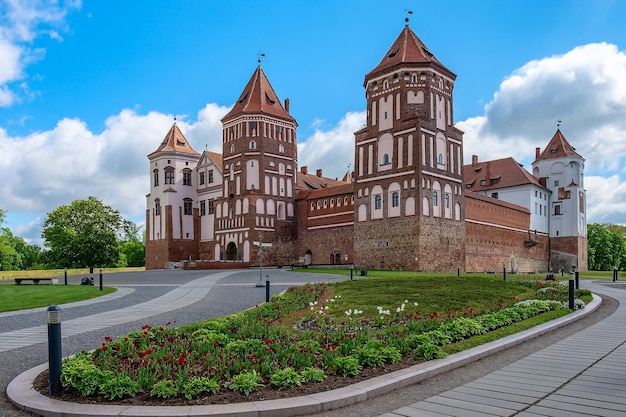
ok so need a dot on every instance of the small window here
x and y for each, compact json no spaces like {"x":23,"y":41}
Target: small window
{"x":187,"y":207}
{"x":414,"y":78}
{"x":312,"y":206}
{"x":169,"y":176}
{"x":186,"y":177}
{"x":446,"y":201}
{"x":557,"y":209}
{"x":395,"y":199}
{"x":435,"y":198}
{"x":482,"y":182}
{"x":156,"y":177}
{"x":440,"y":159}
{"x":386,"y":159}
{"x":157,"y":207}
{"x":203,"y":208}
{"x":232,"y":148}
{"x":210,"y":176}
{"x":378,"y":202}
{"x":201,"y":178}
{"x":325,"y":203}
{"x":281,"y":148}
{"x":211,"y":207}
{"x":252,"y":144}
{"x":494,"y":195}
{"x":556,"y":183}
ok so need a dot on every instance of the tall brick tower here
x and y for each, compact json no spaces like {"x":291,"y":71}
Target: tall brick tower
{"x":172,"y":221}
{"x":260,"y":163}
{"x":409,"y":198}
{"x":561,"y":169}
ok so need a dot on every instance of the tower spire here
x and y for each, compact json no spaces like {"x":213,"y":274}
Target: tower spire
{"x":406,"y":19}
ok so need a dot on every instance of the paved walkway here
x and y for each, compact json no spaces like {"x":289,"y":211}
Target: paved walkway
{"x":179,"y":297}
{"x":583,"y":375}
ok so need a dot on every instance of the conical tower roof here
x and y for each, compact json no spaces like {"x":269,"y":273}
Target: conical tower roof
{"x":408,"y":49}
{"x":258,"y":97}
{"x":558,"y":147}
{"x":175,"y":141}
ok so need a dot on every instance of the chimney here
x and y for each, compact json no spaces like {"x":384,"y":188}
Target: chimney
{"x":287,"y":105}
{"x":304,"y":170}
{"x":474,"y":159}
{"x":537,"y":153}
{"x":319,"y":173}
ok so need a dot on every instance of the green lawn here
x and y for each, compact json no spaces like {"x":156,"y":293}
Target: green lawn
{"x":49,"y":273}
{"x":20,"y":297}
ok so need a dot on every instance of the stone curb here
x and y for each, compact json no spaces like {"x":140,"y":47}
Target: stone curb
{"x":21,"y":392}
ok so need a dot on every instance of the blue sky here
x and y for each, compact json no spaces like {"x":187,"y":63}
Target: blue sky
{"x":88,"y":89}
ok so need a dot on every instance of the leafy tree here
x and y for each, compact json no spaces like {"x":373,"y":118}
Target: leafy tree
{"x":83,"y":234}
{"x":133,"y":253}
{"x":606,"y":247}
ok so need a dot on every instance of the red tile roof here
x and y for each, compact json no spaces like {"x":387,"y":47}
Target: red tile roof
{"x":175,"y":141}
{"x":259,"y":97}
{"x":216,"y":158}
{"x":408,"y":49}
{"x":499,"y":173}
{"x":558,"y":147}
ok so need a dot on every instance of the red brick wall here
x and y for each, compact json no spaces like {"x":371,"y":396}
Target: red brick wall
{"x":497,"y":237}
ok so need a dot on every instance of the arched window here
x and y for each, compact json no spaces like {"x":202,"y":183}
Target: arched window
{"x":252,"y":144}
{"x":386,"y":159}
{"x":440,"y":159}
{"x":157,"y":207}
{"x":232,"y":148}
{"x":281,"y":148}
{"x":378,"y":202}
{"x":395,"y":199}
{"x":156,"y":177}
{"x":435,"y":198}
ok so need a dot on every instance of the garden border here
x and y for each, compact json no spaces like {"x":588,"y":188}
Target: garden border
{"x":21,"y":392}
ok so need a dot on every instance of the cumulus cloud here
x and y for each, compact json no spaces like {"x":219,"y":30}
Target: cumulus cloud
{"x":48,"y":169}
{"x":331,"y":150}
{"x":21,"y":22}
{"x":585,"y":89}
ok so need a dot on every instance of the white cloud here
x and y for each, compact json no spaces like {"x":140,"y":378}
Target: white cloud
{"x":48,"y":169}
{"x":332,"y":150}
{"x":21,"y":23}
{"x":585,"y":89}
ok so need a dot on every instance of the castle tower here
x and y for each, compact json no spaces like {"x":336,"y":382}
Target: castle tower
{"x":562,"y":170}
{"x":172,"y":222}
{"x":409,"y":202}
{"x":259,"y":173}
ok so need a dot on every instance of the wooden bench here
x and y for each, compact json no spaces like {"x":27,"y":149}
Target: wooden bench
{"x":35,"y":281}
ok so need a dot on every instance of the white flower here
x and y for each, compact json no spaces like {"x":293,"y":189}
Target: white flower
{"x":406,"y":301}
{"x":311,"y":303}
{"x":415,"y":304}
{"x":398,"y":310}
{"x":325,"y":307}
{"x":348,"y":312}
{"x":332,"y":300}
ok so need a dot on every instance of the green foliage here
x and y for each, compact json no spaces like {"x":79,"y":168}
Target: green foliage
{"x":81,"y":373}
{"x":118,"y":387}
{"x":311,"y":374}
{"x":133,"y":253}
{"x":246,"y":382}
{"x":197,"y":386}
{"x":347,"y":365}
{"x":164,"y":389}
{"x":286,"y":378}
{"x":15,"y":253}
{"x":82,"y":234}
{"x":371,"y":357}
{"x":429,"y":352}
{"x":606,"y":247}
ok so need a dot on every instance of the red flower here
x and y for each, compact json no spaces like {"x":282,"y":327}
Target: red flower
{"x":108,"y":338}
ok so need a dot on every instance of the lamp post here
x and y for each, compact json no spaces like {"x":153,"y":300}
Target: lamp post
{"x":54,"y":349}
{"x":261,"y":245}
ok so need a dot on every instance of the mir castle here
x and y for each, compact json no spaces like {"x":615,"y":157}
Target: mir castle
{"x":409,"y":204}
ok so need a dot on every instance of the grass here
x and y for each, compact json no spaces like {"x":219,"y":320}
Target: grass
{"x":20,"y":297}
{"x":53,"y":273}
{"x":337,"y":329}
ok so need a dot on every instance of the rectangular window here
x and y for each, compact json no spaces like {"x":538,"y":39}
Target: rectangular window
{"x":556,"y":183}
{"x":557,"y":209}
{"x":169,"y":177}
{"x":202,"y":208}
{"x":202,"y":178}
{"x":156,"y":178}
{"x":378,"y":202}
{"x":211,"y":207}
{"x":157,"y":209}
{"x":395,"y":199}
{"x":187,"y":210}
{"x":187,"y":178}
{"x":494,"y":195}
{"x":210,"y":176}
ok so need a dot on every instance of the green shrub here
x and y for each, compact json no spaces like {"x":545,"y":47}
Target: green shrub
{"x":246,"y":382}
{"x":196,"y":386}
{"x":286,"y":378}
{"x":311,"y":374}
{"x":164,"y":389}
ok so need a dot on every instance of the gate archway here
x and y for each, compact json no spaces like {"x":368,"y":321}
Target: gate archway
{"x":231,"y":252}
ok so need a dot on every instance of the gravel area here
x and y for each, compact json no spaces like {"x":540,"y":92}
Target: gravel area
{"x":235,"y":293}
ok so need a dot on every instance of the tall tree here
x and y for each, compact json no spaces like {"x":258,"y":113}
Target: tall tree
{"x":606,"y":247}
{"x":83,"y":234}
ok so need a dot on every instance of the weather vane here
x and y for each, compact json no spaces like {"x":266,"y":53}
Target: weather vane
{"x":259,"y":56}
{"x":558,"y":124}
{"x":174,"y":119}
{"x":406,"y":19}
